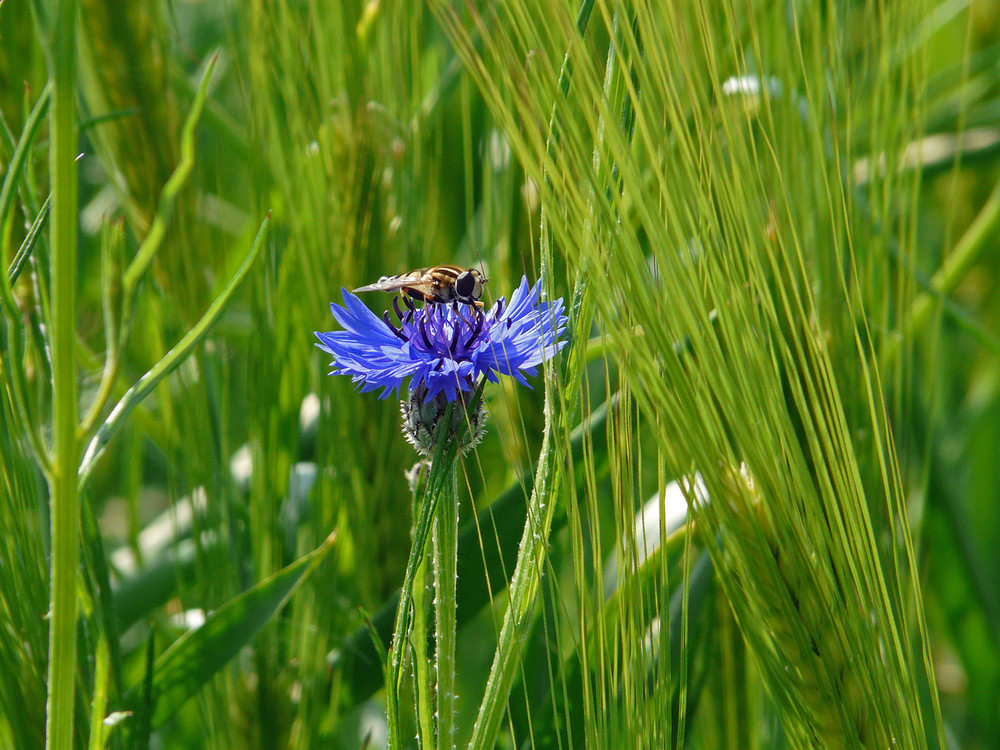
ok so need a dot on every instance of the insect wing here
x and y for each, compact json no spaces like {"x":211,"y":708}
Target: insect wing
{"x":413,"y":279}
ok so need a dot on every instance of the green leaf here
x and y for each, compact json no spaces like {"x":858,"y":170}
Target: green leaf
{"x":157,"y":581}
{"x":197,"y":656}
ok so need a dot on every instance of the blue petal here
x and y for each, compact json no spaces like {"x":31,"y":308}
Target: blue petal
{"x":441,"y":350}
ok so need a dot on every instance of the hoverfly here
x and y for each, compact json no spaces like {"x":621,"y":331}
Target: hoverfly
{"x":437,"y":284}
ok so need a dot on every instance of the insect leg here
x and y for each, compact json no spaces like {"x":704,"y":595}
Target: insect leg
{"x":455,"y":309}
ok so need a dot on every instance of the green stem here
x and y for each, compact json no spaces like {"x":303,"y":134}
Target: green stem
{"x":147,"y":250}
{"x":445,"y":608}
{"x":444,"y":456}
{"x":523,"y":590}
{"x":441,"y":475}
{"x":62,"y":484}
{"x":964,"y":255}
{"x":960,"y":260}
{"x":421,"y":666}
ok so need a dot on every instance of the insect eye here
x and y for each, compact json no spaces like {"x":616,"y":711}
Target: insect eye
{"x":466,"y":285}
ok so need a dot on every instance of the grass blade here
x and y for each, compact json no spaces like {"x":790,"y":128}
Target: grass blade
{"x":21,"y":151}
{"x":198,"y":655}
{"x":24,"y":252}
{"x":147,"y":251}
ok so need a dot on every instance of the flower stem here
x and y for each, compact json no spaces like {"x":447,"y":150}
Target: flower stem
{"x":422,"y":685}
{"x":441,"y":468}
{"x":62,"y":483}
{"x":445,"y":607}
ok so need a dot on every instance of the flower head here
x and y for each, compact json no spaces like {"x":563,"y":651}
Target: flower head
{"x":445,"y":349}
{"x":424,"y":420}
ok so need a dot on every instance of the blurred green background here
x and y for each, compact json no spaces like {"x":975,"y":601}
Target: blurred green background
{"x":361,"y":130}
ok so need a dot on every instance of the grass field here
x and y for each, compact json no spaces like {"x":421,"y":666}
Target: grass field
{"x":731,"y":479}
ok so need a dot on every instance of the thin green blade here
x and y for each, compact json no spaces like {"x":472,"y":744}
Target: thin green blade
{"x":197,"y":656}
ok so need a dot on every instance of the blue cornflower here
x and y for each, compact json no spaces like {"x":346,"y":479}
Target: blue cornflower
{"x":444,"y":349}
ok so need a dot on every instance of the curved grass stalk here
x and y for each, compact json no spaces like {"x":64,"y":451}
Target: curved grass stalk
{"x":170,"y":361}
{"x":18,"y":381}
{"x":523,"y":595}
{"x":17,"y":163}
{"x":147,"y":252}
{"x":952,"y":271}
{"x":525,"y":582}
